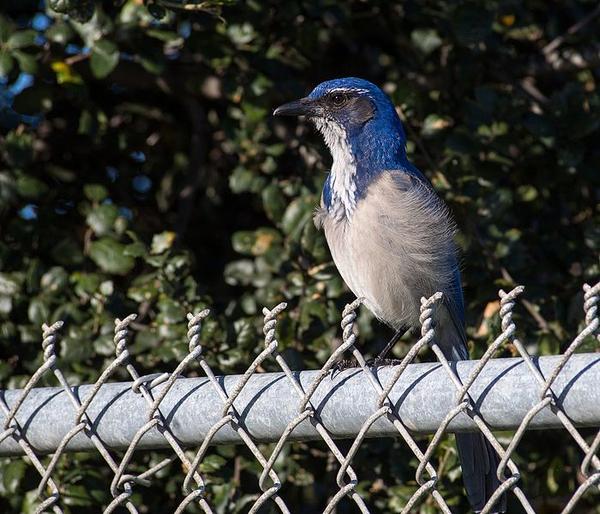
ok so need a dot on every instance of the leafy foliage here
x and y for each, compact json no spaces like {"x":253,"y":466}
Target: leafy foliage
{"x":141,"y":172}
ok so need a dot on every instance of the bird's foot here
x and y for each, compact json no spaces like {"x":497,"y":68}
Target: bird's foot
{"x":376,"y":362}
{"x":342,"y":365}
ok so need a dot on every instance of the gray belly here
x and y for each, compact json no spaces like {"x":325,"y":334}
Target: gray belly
{"x":382,"y":280}
{"x":394,"y":249}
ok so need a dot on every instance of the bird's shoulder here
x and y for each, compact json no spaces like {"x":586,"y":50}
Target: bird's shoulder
{"x":387,"y":188}
{"x":405,"y":180}
{"x":401,"y":189}
{"x":404,"y":210}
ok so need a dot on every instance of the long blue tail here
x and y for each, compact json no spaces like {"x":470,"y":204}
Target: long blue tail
{"x":478,"y":459}
{"x":479,"y":462}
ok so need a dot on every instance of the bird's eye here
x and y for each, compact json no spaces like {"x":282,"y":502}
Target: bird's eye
{"x":339,"y":99}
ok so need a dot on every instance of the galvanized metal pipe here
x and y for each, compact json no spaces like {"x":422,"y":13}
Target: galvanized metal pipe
{"x":504,"y":392}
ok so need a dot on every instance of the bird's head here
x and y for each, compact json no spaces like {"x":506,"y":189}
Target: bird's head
{"x":357,"y":112}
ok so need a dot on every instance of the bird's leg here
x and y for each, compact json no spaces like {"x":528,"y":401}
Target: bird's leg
{"x":343,"y":364}
{"x":380,"y":360}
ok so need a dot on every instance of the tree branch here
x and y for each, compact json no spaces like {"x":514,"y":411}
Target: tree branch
{"x":557,"y":41}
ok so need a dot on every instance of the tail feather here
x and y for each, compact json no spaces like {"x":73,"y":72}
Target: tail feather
{"x":478,"y":459}
{"x":479,"y":462}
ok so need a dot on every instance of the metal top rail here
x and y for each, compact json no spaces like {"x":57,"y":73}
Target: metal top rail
{"x":422,"y":397}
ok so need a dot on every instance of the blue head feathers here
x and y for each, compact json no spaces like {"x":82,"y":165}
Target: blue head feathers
{"x":383,"y":116}
{"x":363,"y":133}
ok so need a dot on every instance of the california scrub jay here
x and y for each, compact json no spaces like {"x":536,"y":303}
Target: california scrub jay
{"x":390,"y":235}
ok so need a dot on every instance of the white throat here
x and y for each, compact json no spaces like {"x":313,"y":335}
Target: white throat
{"x":343,"y":169}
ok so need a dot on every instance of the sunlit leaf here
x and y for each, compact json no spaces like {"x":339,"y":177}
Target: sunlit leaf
{"x":104,"y":58}
{"x":110,"y":256}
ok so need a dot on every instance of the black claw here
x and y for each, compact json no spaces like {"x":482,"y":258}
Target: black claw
{"x":343,"y":364}
{"x":376,"y":362}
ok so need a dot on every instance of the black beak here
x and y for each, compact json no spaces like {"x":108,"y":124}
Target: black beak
{"x":304,"y":106}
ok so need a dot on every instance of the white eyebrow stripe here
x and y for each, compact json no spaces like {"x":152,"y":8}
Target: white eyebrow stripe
{"x":348,"y":90}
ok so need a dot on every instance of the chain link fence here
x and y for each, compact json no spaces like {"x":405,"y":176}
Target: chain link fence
{"x":165,"y":410}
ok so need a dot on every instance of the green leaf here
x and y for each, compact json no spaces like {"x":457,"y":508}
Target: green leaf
{"x":12,"y":474}
{"x":8,"y":285}
{"x":38,"y":311}
{"x":241,"y":34}
{"x":60,"y":6}
{"x":433,"y":124}
{"x":95,"y":192}
{"x":86,"y":284}
{"x":102,"y":218}
{"x":242,"y":242}
{"x":31,"y":187}
{"x":136,"y":249}
{"x":242,"y":180}
{"x":79,"y":10}
{"x":166,"y":36}
{"x":152,"y":62}
{"x":18,"y":148}
{"x":107,"y":288}
{"x":87,"y":123}
{"x":6,"y":29}
{"x":553,"y":476}
{"x":67,"y":252}
{"x":273,"y":202}
{"x":110,"y":256}
{"x":104,"y":58}
{"x":527,"y":193}
{"x":60,"y":32}
{"x":259,"y":242}
{"x":171,"y":312}
{"x":296,"y":215}
{"x":27,"y":62}
{"x":6,"y":304}
{"x":144,"y":288}
{"x":253,"y":113}
{"x":7,"y":190}
{"x":162,"y":242}
{"x":21,"y":39}
{"x":6,"y":63}
{"x":54,"y":280}
{"x":426,"y":40}
{"x":212,"y":463}
{"x":239,"y":272}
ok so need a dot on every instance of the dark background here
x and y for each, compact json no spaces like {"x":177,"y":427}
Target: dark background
{"x":142,"y":172}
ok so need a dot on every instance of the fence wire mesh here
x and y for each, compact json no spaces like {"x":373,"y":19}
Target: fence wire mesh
{"x":15,"y":429}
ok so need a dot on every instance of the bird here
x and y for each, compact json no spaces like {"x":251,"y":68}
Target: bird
{"x":391,"y":237}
